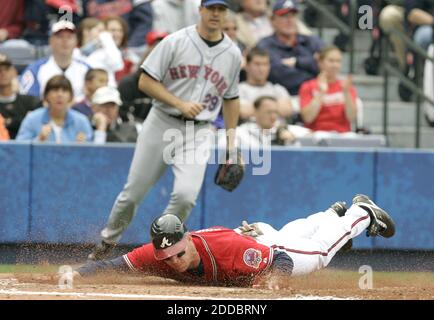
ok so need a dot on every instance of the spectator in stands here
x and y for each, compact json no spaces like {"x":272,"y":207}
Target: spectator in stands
{"x":392,"y":18}
{"x":256,"y":85}
{"x":63,"y":40}
{"x":140,"y":22}
{"x":40,"y":15}
{"x":119,"y":30}
{"x":138,"y":13}
{"x":291,"y":54}
{"x":13,"y":106}
{"x":4,"y":134}
{"x":172,"y":15}
{"x":93,"y":80}
{"x":104,"y":8}
{"x":230,"y":27}
{"x":11,"y":19}
{"x":253,"y":22}
{"x":98,"y":49}
{"x":420,"y":15}
{"x":105,"y":104}
{"x":327,"y":103}
{"x":56,"y":122}
{"x":135,"y":101}
{"x":267,"y":130}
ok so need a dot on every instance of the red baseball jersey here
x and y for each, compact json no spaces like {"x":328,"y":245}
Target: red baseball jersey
{"x":228,"y":259}
{"x":331,"y":116}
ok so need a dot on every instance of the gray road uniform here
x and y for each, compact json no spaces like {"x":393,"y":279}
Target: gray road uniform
{"x":193,"y":71}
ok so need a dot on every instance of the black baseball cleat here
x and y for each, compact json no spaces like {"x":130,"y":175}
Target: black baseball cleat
{"x":381,"y":222}
{"x":340,"y":208}
{"x":101,"y":251}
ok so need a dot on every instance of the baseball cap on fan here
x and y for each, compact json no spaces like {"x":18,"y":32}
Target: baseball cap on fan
{"x":282,"y":7}
{"x":207,"y":3}
{"x":169,"y":236}
{"x":62,"y":25}
{"x":105,"y":95}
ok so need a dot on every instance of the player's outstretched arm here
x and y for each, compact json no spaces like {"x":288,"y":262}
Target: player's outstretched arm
{"x":95,"y":267}
{"x":156,"y":90}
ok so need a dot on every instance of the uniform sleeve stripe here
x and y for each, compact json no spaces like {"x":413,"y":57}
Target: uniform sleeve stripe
{"x":150,"y":73}
{"x":128,"y":262}
{"x":231,"y":98}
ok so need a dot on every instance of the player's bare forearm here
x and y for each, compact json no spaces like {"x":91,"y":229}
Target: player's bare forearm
{"x":231,"y":113}
{"x":156,"y":90}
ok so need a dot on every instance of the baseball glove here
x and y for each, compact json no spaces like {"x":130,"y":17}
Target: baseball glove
{"x":230,"y":174}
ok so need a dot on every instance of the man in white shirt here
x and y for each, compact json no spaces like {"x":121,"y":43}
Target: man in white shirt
{"x":256,"y":85}
{"x":267,"y":130}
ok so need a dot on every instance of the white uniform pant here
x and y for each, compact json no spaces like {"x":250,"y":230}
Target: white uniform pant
{"x":312,"y":242}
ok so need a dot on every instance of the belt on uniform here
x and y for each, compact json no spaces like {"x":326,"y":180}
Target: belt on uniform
{"x":185,"y":119}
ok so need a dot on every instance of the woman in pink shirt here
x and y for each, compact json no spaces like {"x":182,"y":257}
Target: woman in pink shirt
{"x":326,"y":102}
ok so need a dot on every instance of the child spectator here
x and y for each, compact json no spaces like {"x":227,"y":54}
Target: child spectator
{"x":56,"y":122}
{"x":327,"y":103}
{"x":13,"y":106}
{"x":93,"y":80}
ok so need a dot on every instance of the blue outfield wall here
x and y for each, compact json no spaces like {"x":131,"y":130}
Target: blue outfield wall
{"x":14,"y":192}
{"x":64,"y":193}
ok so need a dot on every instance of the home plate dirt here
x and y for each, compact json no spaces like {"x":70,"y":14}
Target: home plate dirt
{"x":327,"y":284}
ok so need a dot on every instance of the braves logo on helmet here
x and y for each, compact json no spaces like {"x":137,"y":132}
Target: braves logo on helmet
{"x":165,"y":243}
{"x":252,"y":258}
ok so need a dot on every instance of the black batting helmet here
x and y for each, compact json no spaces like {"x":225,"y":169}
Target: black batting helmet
{"x":168,"y":235}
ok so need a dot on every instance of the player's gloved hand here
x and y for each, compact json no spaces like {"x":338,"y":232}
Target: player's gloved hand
{"x":190,"y":109}
{"x":251,"y":230}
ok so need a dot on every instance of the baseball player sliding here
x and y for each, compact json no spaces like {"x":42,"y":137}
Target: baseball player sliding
{"x":190,"y":74}
{"x":251,"y":254}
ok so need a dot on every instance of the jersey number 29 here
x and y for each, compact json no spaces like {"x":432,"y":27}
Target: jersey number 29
{"x":211,"y":102}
